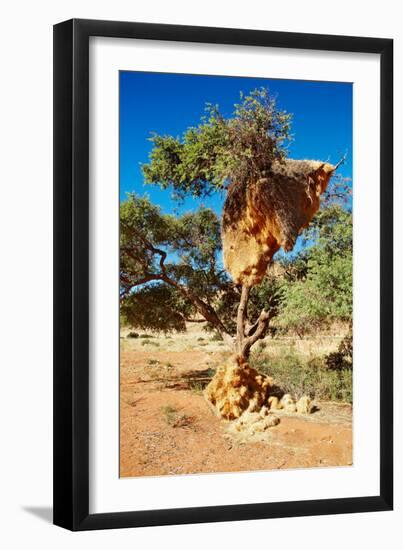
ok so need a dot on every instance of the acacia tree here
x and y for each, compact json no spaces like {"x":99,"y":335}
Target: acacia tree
{"x":174,"y":260}
{"x":208,"y":158}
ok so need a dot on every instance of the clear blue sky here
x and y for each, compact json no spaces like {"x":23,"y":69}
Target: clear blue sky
{"x":169,"y":103}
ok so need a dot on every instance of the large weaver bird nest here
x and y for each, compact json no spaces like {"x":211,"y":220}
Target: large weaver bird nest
{"x":262,"y":216}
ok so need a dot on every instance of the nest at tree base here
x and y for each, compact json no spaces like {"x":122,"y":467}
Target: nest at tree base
{"x":260,"y":217}
{"x":237,"y":387}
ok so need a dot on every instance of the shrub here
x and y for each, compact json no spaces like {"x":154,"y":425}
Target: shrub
{"x":197,"y":386}
{"x":297,"y":375}
{"x":210,"y":372}
{"x":343,"y":357}
{"x":133,"y":335}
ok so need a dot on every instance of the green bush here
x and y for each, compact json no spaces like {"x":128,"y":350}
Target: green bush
{"x":343,"y":357}
{"x":297,"y":375}
{"x":133,"y":335}
{"x":318,"y":287}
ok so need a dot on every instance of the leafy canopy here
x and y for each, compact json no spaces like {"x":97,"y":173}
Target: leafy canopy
{"x":162,"y":257}
{"x":220,"y":150}
{"x":171,"y":271}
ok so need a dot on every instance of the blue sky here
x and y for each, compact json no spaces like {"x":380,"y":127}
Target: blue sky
{"x":170,"y":103}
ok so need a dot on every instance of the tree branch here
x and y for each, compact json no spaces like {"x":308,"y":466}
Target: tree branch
{"x":260,"y":330}
{"x":241,"y":317}
{"x":205,"y":309}
{"x":248,"y":334}
{"x":189,"y":319}
{"x":251,"y":329}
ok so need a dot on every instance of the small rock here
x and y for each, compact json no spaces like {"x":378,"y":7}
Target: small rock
{"x":271,"y":420}
{"x":304,"y":405}
{"x":264,"y":411}
{"x":250,"y":417}
{"x":274,"y":403}
{"x":258,"y":427}
{"x":288,"y":403}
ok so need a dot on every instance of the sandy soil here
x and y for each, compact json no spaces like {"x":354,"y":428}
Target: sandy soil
{"x":168,"y":428}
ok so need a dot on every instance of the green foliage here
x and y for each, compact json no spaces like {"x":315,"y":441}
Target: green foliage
{"x":162,"y":254}
{"x":266,"y":296}
{"x":318,"y":286}
{"x":219,"y":150}
{"x":298,"y":375}
{"x":147,"y":309}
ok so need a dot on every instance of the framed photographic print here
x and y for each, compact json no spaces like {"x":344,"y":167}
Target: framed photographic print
{"x":223,"y":327}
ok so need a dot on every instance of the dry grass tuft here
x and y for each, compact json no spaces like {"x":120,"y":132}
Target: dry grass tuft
{"x":176,"y":419}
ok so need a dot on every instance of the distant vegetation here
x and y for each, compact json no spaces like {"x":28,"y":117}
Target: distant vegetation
{"x":314,"y":376}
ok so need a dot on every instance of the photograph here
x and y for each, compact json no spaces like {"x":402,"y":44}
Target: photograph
{"x":236,"y":274}
{"x":200,"y":289}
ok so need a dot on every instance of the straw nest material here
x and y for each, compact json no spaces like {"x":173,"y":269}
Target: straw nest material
{"x":260,"y":217}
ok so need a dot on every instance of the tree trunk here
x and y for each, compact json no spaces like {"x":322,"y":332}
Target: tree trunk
{"x":236,"y":386}
{"x":241,"y":323}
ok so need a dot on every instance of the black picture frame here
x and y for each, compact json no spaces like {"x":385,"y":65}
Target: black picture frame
{"x":71,"y":274}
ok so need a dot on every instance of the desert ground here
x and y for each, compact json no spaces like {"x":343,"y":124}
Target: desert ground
{"x":167,"y":427}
